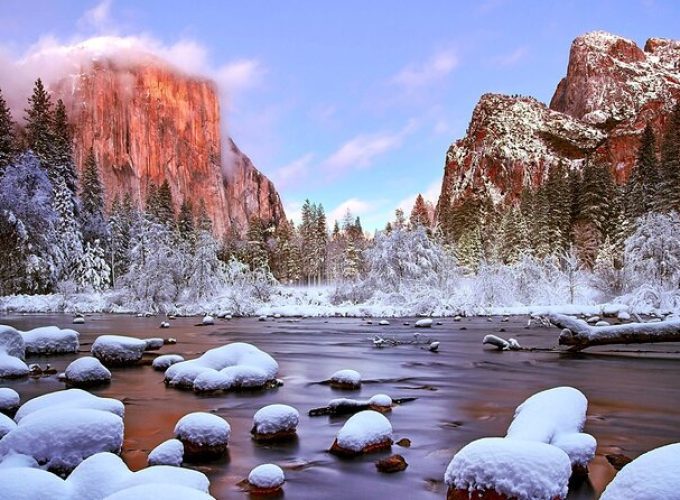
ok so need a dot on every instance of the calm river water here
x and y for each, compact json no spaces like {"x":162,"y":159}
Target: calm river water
{"x":464,"y":392}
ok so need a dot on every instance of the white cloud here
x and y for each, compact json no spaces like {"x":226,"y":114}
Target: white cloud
{"x":293,"y":172}
{"x":511,"y":58}
{"x":438,"y":66}
{"x":293,"y":210}
{"x":98,"y":17}
{"x":356,"y":206}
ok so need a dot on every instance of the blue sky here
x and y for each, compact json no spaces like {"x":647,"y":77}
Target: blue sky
{"x":353,"y":103}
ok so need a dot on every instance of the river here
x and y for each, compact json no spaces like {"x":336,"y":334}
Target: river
{"x":463,"y":392}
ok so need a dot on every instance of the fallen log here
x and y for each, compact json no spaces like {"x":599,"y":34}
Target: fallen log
{"x":579,"y":335}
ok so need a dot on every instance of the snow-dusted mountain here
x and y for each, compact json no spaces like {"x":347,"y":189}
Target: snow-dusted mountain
{"x":611,"y":91}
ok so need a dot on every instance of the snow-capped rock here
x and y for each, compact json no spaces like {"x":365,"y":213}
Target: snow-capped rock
{"x":48,"y":340}
{"x":118,"y":350}
{"x":266,"y":479}
{"x":9,"y":401}
{"x":204,"y":436}
{"x":346,"y":379}
{"x":170,"y":452}
{"x":275,"y":422}
{"x":162,"y":363}
{"x":88,"y":371}
{"x":365,"y":432}
{"x":207,"y":320}
{"x":69,"y":399}
{"x":424,"y":323}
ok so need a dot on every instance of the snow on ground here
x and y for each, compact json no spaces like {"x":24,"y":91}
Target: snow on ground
{"x":9,"y":400}
{"x":266,"y":477}
{"x":203,"y":429}
{"x":651,"y":476}
{"x":275,"y":418}
{"x":170,"y":452}
{"x":70,"y":399}
{"x":12,"y":350}
{"x":162,"y":363}
{"x":118,"y":349}
{"x":364,"y":429}
{"x":11,"y":367}
{"x":6,"y":425}
{"x":525,"y":470}
{"x":87,"y":371}
{"x":50,"y":340}
{"x":231,"y":366}
{"x":349,"y":378}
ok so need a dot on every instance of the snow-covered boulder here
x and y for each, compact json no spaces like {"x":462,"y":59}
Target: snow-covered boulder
{"x":424,"y":323}
{"x":162,"y":363}
{"x":207,"y":320}
{"x":48,"y":340}
{"x":11,"y":367}
{"x":651,"y":476}
{"x":61,"y":438}
{"x":6,"y":425}
{"x":78,"y":320}
{"x":365,"y":432}
{"x":118,"y":350}
{"x":9,"y":401}
{"x":170,"y":452}
{"x":87,"y":372}
{"x":556,"y":416}
{"x":154,"y":491}
{"x":164,"y":324}
{"x":623,"y":315}
{"x":12,"y":342}
{"x":205,"y":436}
{"x":153,"y":344}
{"x":383,"y":322}
{"x":233,"y":366}
{"x":26,"y":483}
{"x":346,"y":379}
{"x":380,"y":402}
{"x":275,"y":422}
{"x":509,"y":469}
{"x":266,"y":479}
{"x":70,"y":399}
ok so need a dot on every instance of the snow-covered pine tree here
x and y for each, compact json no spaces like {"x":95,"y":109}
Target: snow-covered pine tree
{"x":92,"y":272}
{"x":558,"y":200}
{"x":7,"y":139}
{"x":165,"y":210}
{"x":644,"y":182}
{"x":64,"y":165}
{"x":205,"y":269}
{"x":419,"y":213}
{"x":39,"y":127}
{"x":122,"y":219}
{"x":92,"y":202}
{"x":185,"y":222}
{"x":608,"y":272}
{"x":669,"y":196}
{"x":69,"y":237}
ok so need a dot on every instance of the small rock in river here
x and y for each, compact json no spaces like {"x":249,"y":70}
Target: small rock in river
{"x":394,"y":463}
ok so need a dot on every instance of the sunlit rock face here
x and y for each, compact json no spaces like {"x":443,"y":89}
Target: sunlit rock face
{"x":611,"y":91}
{"x":150,"y":123}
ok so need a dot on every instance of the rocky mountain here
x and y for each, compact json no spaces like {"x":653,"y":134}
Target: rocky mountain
{"x":611,"y":91}
{"x":147,"y":123}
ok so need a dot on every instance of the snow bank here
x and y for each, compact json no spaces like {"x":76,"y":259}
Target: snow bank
{"x":651,"y":476}
{"x":204,"y":436}
{"x":12,"y":342}
{"x":556,"y":416}
{"x":9,"y":400}
{"x":11,"y":367}
{"x":117,"y":350}
{"x":70,"y":399}
{"x":275,"y":420}
{"x":50,"y":340}
{"x":23,"y":483}
{"x":6,"y":425}
{"x":267,"y":477}
{"x":346,"y":379}
{"x":155,"y":491}
{"x":170,"y":452}
{"x":162,"y":363}
{"x":364,"y":432}
{"x":233,"y":366}
{"x":524,"y":470}
{"x":87,"y":371}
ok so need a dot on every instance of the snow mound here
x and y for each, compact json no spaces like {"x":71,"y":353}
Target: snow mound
{"x":364,"y":431}
{"x":651,"y":476}
{"x":380,"y":400}
{"x":50,"y":340}
{"x":266,"y":477}
{"x":87,"y":371}
{"x":556,"y":416}
{"x":208,"y":320}
{"x":170,"y":452}
{"x":9,"y":400}
{"x":70,"y":399}
{"x":154,"y":344}
{"x":346,"y":379}
{"x":11,"y":367}
{"x":154,"y":491}
{"x":12,"y":342}
{"x":233,"y":366}
{"x":523,"y":470}
{"x":275,"y":418}
{"x":162,"y":363}
{"x":424,"y":323}
{"x":118,"y":350}
{"x":61,"y":438}
{"x":203,"y":428}
{"x":6,"y":425}
{"x":24,"y":483}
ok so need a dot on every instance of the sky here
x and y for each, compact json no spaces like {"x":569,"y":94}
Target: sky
{"x":351,"y":104}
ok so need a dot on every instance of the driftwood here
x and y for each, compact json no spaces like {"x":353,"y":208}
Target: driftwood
{"x":349,"y":407}
{"x":579,"y":335}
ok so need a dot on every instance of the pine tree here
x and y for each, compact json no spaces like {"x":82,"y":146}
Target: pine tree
{"x":558,"y":200}
{"x":185,"y":221}
{"x":419,"y":214}
{"x":39,"y":126}
{"x":64,"y":165}
{"x":92,"y":199}
{"x":70,"y":238}
{"x":165,"y":211}
{"x":644,"y":183}
{"x":669,"y":196}
{"x":92,"y":272}
{"x":7,"y":139}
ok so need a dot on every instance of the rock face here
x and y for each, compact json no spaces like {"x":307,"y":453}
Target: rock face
{"x":150,"y":123}
{"x":611,"y":91}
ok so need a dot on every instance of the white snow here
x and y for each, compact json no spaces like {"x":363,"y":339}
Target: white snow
{"x":228,"y":367}
{"x":651,"y":476}
{"x":524,"y":470}
{"x":203,"y":429}
{"x":275,"y":418}
{"x":266,"y":476}
{"x":87,"y":370}
{"x":9,"y":399}
{"x":11,"y":367}
{"x":78,"y":320}
{"x":364,"y":429}
{"x":24,"y":483}
{"x":69,"y":399}
{"x":555,"y":416}
{"x":153,"y":344}
{"x":118,"y":349}
{"x":170,"y":452}
{"x":161,"y":363}
{"x":424,"y":323}
{"x":384,"y":322}
{"x":50,"y":340}
{"x":6,"y":425}
{"x":348,"y":377}
{"x":382,"y":400}
{"x":12,"y":342}
{"x":154,"y":491}
{"x":208,"y":320}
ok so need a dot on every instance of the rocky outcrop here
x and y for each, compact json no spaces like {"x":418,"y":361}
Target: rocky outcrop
{"x":611,"y":91}
{"x":148,"y":123}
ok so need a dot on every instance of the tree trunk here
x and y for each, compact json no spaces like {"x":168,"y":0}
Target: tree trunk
{"x":579,"y":335}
